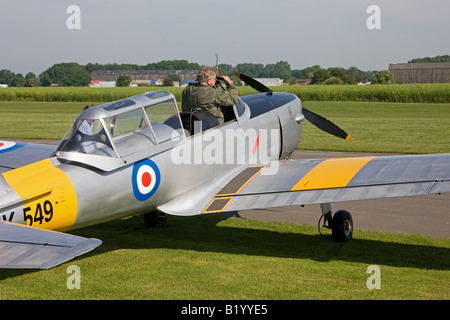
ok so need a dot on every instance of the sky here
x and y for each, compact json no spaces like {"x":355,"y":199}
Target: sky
{"x":331,"y":33}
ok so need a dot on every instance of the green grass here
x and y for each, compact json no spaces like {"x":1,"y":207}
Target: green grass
{"x":209,"y":257}
{"x":381,"y":127}
{"x":37,"y":120}
{"x":375,"y":126}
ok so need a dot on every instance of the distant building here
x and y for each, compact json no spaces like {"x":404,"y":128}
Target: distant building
{"x":142,"y":77}
{"x":436,"y":72}
{"x":102,"y":84}
{"x":303,"y":81}
{"x":272,"y":82}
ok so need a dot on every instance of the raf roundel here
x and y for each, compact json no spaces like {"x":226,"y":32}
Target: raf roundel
{"x":6,"y":146}
{"x":146,"y":179}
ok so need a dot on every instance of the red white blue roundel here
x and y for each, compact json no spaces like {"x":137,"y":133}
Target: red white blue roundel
{"x":146,"y":179}
{"x":6,"y":146}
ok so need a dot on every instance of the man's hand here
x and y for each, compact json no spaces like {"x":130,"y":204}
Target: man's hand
{"x":227,"y":79}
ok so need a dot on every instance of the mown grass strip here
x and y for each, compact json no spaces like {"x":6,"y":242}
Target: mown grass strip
{"x":376,"y":126}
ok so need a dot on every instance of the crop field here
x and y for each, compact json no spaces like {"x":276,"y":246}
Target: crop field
{"x":412,"y":93}
{"x":211,"y":257}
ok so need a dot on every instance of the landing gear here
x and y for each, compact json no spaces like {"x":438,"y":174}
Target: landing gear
{"x":342,"y":230}
{"x":341,"y":224}
{"x":155,"y":219}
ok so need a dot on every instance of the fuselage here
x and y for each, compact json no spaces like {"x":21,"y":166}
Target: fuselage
{"x":113,"y":173}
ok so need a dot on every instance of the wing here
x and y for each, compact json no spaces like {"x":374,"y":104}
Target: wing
{"x":300,"y":182}
{"x":17,"y":154}
{"x":23,"y":247}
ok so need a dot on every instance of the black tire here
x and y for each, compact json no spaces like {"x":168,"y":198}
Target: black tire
{"x":342,"y":230}
{"x":155,"y":219}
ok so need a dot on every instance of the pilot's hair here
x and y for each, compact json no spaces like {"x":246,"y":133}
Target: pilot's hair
{"x":206,"y":73}
{"x":88,"y":106}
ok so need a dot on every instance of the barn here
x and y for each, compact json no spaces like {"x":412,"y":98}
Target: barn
{"x":142,"y":77}
{"x":435,"y":72}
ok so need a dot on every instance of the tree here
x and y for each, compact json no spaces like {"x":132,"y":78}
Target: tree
{"x":7,"y":77}
{"x":226,"y":69}
{"x":444,"y":58}
{"x":307,"y":72}
{"x":383,"y":77}
{"x":19,"y":80}
{"x":338,"y":72}
{"x":333,"y":80}
{"x":65,"y":74}
{"x":123,"y":81}
{"x":168,"y":81}
{"x":277,"y":69}
{"x":320,"y":76}
{"x":30,"y":80}
{"x":254,"y":70}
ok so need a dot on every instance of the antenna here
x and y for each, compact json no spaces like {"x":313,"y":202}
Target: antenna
{"x":217,"y":62}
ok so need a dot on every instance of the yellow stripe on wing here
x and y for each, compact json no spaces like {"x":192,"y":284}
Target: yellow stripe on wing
{"x":331,"y":173}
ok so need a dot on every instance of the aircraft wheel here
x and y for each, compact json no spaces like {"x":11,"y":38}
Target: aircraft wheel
{"x":342,"y":230}
{"x":155,"y":219}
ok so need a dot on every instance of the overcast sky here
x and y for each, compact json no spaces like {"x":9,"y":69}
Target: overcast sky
{"x":329,"y":33}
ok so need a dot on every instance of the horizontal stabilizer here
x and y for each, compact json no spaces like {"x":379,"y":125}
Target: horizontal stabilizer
{"x":23,"y":247}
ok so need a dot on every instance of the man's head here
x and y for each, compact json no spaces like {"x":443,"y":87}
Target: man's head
{"x":207,"y":75}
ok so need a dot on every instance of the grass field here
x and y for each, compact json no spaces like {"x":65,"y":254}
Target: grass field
{"x":210,"y":257}
{"x":376,"y":126}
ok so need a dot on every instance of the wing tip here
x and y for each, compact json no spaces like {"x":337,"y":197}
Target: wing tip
{"x":24,"y":247}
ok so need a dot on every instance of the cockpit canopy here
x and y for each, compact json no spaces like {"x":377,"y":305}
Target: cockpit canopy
{"x":125,"y":127}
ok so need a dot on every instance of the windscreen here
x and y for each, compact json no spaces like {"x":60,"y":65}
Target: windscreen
{"x":130,"y":131}
{"x":165,"y":120}
{"x":89,"y":137}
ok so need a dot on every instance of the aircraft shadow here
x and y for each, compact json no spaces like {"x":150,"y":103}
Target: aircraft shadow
{"x":206,"y":234}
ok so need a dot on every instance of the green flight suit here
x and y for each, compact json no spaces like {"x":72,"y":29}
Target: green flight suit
{"x":199,"y":96}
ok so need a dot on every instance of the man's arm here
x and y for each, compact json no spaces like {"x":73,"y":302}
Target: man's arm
{"x":229,"y":97}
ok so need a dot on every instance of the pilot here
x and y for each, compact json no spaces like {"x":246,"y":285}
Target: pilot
{"x":86,"y":126}
{"x":203,"y":94}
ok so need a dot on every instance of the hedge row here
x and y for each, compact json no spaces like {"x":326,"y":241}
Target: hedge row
{"x":407,"y":93}
{"x":419,"y":93}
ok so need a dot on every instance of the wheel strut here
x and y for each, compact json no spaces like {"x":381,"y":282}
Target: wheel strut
{"x":155,"y":219}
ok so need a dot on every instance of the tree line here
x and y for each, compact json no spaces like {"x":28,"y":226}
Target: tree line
{"x":443,"y":58}
{"x":74,"y":74}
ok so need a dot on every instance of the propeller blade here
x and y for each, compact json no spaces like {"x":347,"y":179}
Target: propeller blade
{"x":325,"y":125}
{"x":317,"y":120}
{"x":255,"y":84}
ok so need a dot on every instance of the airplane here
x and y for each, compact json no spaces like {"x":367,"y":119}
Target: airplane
{"x":141,"y":155}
